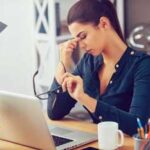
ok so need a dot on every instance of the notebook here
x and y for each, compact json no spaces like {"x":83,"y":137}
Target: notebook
{"x":22,"y":121}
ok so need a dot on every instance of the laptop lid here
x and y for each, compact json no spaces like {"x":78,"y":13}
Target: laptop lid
{"x":22,"y":121}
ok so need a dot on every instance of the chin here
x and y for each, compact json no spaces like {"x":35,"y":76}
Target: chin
{"x":96,"y":53}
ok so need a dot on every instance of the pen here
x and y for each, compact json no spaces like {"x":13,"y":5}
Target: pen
{"x":141,"y":133}
{"x":140,"y":129}
{"x":148,"y":134}
{"x":139,"y":123}
{"x":149,"y":125}
{"x":146,"y":128}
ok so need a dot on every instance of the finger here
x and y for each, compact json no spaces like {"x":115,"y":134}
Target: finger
{"x":71,"y":46}
{"x":69,"y":49}
{"x":75,"y":42}
{"x":77,"y":39}
{"x":66,"y":45}
{"x":67,"y":84}
{"x":66,"y":81}
{"x":64,"y":85}
{"x":66,"y":75}
{"x":71,"y":85}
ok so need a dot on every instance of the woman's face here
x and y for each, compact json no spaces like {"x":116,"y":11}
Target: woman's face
{"x":92,"y":38}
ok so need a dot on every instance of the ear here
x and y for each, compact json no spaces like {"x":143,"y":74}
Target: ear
{"x":104,"y":22}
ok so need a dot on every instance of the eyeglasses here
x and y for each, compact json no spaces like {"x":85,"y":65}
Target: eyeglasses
{"x":45,"y":95}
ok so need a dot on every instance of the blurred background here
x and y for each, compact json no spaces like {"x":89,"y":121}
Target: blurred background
{"x":36,"y":27}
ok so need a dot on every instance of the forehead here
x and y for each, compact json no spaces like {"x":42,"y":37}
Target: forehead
{"x":76,"y":28}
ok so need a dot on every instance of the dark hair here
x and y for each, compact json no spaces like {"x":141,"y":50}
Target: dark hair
{"x":90,"y":11}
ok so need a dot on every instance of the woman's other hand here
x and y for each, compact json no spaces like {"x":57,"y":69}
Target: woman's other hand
{"x":66,"y":50}
{"x":74,"y":85}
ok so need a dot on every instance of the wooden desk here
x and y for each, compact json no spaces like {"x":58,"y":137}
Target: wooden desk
{"x":86,"y":126}
{"x":83,"y":126}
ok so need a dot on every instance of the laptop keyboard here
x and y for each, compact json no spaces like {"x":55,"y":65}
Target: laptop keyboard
{"x":59,"y":140}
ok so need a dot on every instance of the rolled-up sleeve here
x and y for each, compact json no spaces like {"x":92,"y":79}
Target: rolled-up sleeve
{"x":60,"y":104}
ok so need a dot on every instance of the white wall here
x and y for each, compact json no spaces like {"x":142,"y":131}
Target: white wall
{"x":120,"y":12}
{"x":17,"y":61}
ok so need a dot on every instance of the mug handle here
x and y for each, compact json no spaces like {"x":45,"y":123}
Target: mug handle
{"x":121,"y":138}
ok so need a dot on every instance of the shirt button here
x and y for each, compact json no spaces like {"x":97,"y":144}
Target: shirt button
{"x":132,"y":52}
{"x":58,"y":91}
{"x":100,"y":117}
{"x":117,"y":65}
{"x":110,"y":82}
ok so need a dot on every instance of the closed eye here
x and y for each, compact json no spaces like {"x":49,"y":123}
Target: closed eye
{"x":83,"y":36}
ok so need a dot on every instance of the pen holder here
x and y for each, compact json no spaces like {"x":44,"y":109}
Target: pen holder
{"x":141,"y":144}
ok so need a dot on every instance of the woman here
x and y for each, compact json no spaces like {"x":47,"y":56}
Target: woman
{"x":111,"y":81}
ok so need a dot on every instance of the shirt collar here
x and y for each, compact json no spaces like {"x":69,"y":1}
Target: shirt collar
{"x":125,"y":57}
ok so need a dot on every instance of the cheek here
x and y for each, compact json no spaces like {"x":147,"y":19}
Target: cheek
{"x":83,"y":45}
{"x":97,"y":42}
{"x":96,"y":38}
{"x":92,"y":40}
{"x":100,"y":41}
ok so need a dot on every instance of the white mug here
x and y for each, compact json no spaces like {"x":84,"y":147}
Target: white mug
{"x":109,"y":135}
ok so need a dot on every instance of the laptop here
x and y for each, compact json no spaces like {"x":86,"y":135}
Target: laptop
{"x":22,"y":121}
